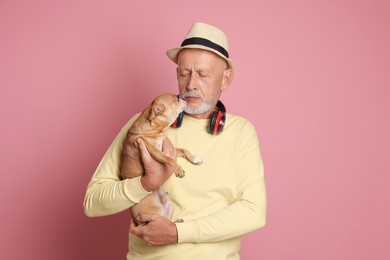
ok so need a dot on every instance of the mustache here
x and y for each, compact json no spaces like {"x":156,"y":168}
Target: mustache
{"x":191,"y":94}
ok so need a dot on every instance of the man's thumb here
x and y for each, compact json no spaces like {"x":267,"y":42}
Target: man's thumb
{"x":143,"y":150}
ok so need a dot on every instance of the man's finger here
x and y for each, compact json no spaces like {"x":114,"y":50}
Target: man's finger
{"x":145,"y":156}
{"x":133,"y":228}
{"x":145,"y":218}
{"x":168,"y":148}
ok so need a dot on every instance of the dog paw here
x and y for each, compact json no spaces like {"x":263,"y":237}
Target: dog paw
{"x":179,"y":220}
{"x":179,"y":172}
{"x":197,"y":161}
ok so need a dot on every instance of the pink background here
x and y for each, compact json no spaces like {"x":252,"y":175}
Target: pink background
{"x":313,"y":77}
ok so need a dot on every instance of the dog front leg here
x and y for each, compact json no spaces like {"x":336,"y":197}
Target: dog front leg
{"x":161,"y":157}
{"x":180,"y":152}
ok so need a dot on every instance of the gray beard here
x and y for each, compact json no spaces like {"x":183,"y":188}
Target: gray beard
{"x":205,"y":107}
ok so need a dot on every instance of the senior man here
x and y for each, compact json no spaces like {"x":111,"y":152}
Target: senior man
{"x":218,"y":201}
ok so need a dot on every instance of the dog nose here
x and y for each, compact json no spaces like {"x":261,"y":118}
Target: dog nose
{"x":180,"y":100}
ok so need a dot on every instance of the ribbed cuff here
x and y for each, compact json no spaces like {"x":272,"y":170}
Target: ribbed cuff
{"x":187,"y":232}
{"x":134,"y":190}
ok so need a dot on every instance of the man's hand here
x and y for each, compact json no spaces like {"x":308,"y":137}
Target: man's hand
{"x":157,"y":231}
{"x":156,"y":173}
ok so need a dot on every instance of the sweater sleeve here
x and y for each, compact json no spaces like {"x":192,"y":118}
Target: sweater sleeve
{"x":106,"y":193}
{"x":247,"y":213}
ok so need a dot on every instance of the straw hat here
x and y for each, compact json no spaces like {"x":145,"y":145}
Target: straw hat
{"x":206,"y":37}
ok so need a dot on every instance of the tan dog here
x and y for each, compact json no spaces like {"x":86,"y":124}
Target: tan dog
{"x":152,"y":126}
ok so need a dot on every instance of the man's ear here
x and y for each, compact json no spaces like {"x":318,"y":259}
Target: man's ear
{"x":227,"y":79}
{"x":156,"y":110}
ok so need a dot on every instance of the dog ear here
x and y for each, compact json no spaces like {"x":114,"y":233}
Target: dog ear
{"x":156,"y":110}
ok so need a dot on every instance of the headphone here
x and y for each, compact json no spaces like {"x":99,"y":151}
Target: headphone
{"x":217,"y":120}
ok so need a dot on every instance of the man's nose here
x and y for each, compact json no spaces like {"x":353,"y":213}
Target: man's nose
{"x":191,"y":84}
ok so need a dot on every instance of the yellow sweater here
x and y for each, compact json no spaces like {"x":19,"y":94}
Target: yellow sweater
{"x":219,"y":200}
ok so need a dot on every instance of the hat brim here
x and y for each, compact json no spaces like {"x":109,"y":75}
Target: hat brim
{"x":172,"y":53}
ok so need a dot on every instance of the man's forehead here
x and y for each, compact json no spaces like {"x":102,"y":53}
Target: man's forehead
{"x":201,"y":59}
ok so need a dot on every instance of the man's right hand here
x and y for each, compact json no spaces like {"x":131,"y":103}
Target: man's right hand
{"x":156,"y":173}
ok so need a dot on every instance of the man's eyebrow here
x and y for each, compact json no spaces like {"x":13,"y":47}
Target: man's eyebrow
{"x":202,"y":70}
{"x":183,"y":68}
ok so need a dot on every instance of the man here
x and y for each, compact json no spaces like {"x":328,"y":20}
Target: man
{"x":220,"y":200}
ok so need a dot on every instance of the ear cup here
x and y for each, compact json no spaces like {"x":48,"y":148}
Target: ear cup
{"x":179,"y":121}
{"x":217,"y":120}
{"x":214,"y":125}
{"x":221,"y":123}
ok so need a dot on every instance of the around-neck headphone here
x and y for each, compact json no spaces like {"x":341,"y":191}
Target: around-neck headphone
{"x":217,"y":120}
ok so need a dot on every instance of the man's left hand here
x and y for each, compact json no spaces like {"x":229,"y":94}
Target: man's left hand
{"x":157,"y":230}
